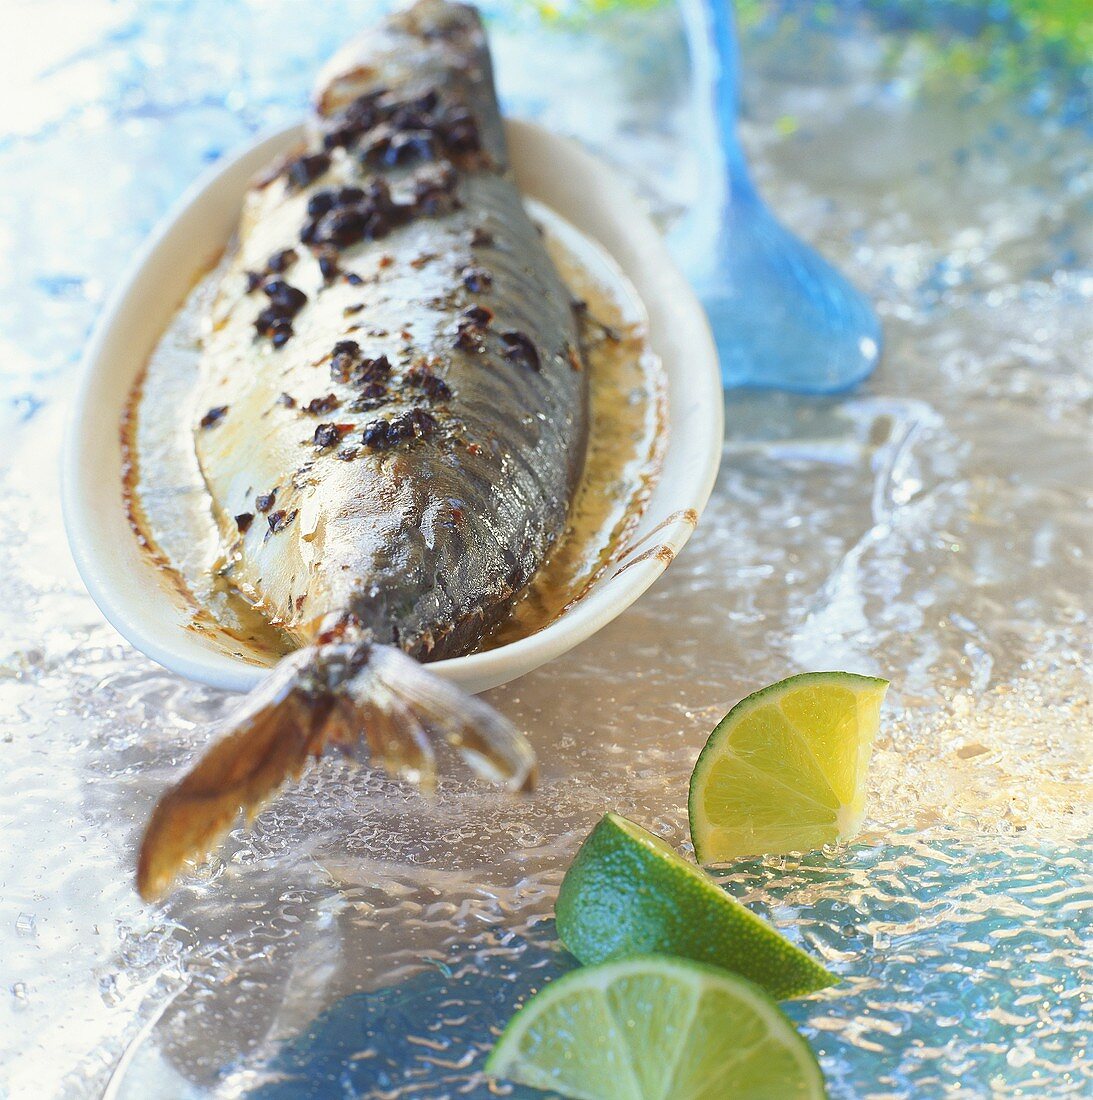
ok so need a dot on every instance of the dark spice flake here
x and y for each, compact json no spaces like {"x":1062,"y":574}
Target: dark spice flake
{"x":518,"y":348}
{"x":383,"y":435}
{"x":280,"y":519}
{"x":373,"y":396}
{"x":476,"y":279}
{"x":306,"y":169}
{"x":275,"y":321}
{"x":280,"y":334}
{"x":471,"y":329}
{"x":213,"y":416}
{"x":478,"y":315}
{"x":319,"y":405}
{"x":330,"y":435}
{"x":243,"y":521}
{"x":436,"y":389}
{"x":265,"y":501}
{"x":350,"y":365}
{"x":281,"y":261}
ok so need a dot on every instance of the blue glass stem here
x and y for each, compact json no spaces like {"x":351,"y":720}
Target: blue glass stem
{"x":782,"y":316}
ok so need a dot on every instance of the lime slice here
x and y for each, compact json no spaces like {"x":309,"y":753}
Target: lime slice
{"x":784,"y":771}
{"x":627,"y":893}
{"x":655,"y":1028}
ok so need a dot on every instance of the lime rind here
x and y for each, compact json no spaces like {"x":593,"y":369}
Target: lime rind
{"x":623,"y":1039}
{"x":629,"y":893}
{"x":836,"y":792}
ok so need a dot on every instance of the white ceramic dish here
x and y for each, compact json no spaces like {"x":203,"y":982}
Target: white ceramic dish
{"x":126,"y":584}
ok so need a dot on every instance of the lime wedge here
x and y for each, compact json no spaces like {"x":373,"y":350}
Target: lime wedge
{"x":655,"y":1028}
{"x":627,"y":893}
{"x":784,"y":771}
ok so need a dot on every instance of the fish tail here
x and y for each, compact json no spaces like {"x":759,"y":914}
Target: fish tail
{"x":372,"y":701}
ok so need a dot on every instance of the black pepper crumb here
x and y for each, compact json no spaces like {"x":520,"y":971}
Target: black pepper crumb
{"x":425,"y":424}
{"x":275,"y":321}
{"x":361,"y":115}
{"x":478,"y":315}
{"x":353,"y":214}
{"x":306,"y":169}
{"x":346,"y":196}
{"x":254,"y":280}
{"x":243,"y":521}
{"x":281,"y":261}
{"x":389,"y":129}
{"x":348,"y":364}
{"x":264,"y":501}
{"x":476,"y":279}
{"x":342,"y":228}
{"x":436,"y":389}
{"x":287,"y":400}
{"x":471,"y":329}
{"x":284,"y":297}
{"x":322,"y":202}
{"x":373,"y":396}
{"x":280,"y":333}
{"x":518,"y":348}
{"x":328,"y":267}
{"x":280,"y":519}
{"x":376,"y":369}
{"x":411,"y":147}
{"x":460,"y":132}
{"x":383,"y":435}
{"x":213,"y":416}
{"x":319,"y":405}
{"x":329,"y":435}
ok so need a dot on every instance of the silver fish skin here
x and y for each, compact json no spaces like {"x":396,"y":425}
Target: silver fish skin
{"x":391,"y":421}
{"x":427,"y":541}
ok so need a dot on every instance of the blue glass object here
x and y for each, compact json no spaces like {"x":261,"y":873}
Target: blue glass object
{"x":782,"y":316}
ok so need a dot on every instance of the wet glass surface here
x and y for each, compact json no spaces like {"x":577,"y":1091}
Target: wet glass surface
{"x":933,"y":527}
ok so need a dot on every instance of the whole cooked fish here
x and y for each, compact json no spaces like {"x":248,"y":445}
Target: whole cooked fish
{"x":391,"y":424}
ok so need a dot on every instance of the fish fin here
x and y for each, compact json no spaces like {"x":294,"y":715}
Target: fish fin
{"x":372,"y":701}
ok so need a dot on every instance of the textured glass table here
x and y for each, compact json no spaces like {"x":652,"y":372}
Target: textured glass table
{"x":932,"y":527}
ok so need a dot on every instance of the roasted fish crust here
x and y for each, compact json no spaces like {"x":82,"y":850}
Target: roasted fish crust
{"x":417,"y":477}
{"x":391,"y":421}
